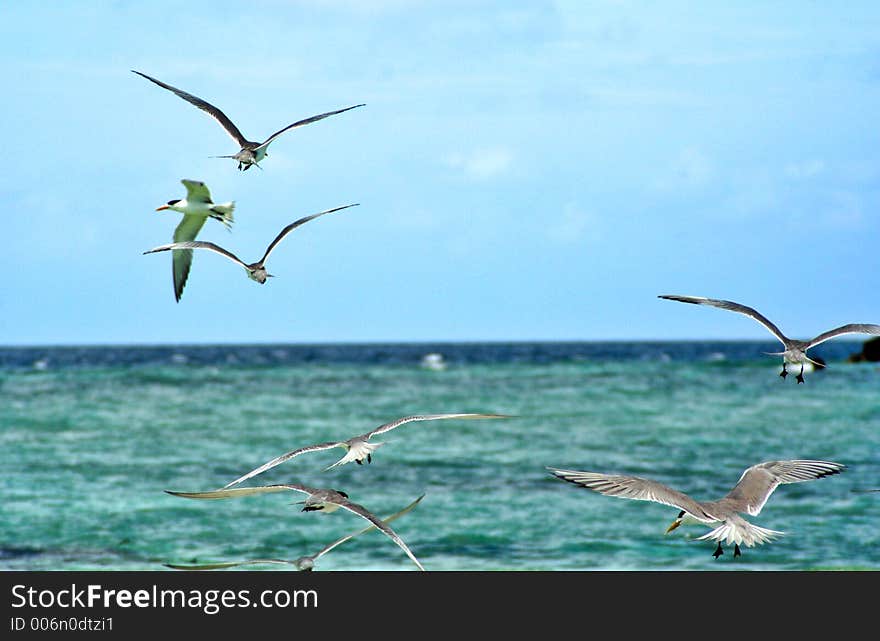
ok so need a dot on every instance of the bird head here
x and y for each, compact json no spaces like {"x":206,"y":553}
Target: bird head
{"x":259,"y":274}
{"x":169,"y":205}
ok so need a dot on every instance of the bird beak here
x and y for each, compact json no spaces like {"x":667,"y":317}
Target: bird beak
{"x":674,"y":525}
{"x":162,"y":207}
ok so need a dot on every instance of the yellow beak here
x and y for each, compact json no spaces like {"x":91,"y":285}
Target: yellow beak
{"x":162,"y":207}
{"x":674,"y":525}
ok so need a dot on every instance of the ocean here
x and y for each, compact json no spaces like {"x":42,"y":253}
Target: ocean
{"x":92,"y":436}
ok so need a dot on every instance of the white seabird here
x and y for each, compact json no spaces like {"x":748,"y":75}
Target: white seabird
{"x":357,"y":448}
{"x":318,"y":499}
{"x":255,"y":271}
{"x":795,"y":352}
{"x":196,"y":208}
{"x":748,"y":496}
{"x":304,"y":563}
{"x":251,"y":152}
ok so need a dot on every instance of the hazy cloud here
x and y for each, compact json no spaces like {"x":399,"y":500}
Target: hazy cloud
{"x":572,"y":226}
{"x":805,"y":169}
{"x":691,"y":168}
{"x":482,"y":164}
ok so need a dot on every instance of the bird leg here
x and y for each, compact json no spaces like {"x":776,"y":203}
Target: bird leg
{"x":312,"y":508}
{"x":369,"y":458}
{"x":784,"y":371}
{"x":358,"y":461}
{"x":800,"y":377}
{"x":718,"y":551}
{"x":736,"y":551}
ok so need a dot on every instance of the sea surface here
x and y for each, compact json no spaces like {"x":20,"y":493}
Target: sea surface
{"x":90,"y":437}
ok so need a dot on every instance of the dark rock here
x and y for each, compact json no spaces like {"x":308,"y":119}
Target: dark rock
{"x":870,"y":352}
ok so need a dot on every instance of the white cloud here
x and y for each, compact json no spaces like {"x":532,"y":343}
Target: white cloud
{"x":482,"y":164}
{"x":805,"y":169}
{"x":572,"y":226}
{"x":691,"y":168}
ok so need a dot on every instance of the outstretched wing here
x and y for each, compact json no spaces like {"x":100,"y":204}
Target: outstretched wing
{"x":295,"y":224}
{"x":633,"y":487}
{"x":181,"y":260}
{"x":758,"y":482}
{"x":386,"y":520}
{"x":207,"y":107}
{"x":196,"y":192}
{"x":733,"y":307}
{"x":228,"y":564}
{"x":237,"y":492}
{"x":361,"y":511}
{"x":198,"y":244}
{"x":300,"y":123}
{"x":853,"y":328}
{"x":426,"y":417}
{"x":284,"y":457}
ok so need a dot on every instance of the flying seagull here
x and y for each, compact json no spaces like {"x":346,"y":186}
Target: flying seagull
{"x":358,"y":447}
{"x":251,"y":152}
{"x":196,"y":208}
{"x":748,"y":496}
{"x":303,"y":563}
{"x":795,"y":352}
{"x":255,"y":271}
{"x":323,"y":500}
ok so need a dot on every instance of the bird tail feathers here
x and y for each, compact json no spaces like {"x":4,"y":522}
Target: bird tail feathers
{"x":740,"y":531}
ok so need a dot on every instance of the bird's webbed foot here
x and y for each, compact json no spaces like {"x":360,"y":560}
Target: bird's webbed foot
{"x":718,"y":551}
{"x":736,"y":551}
{"x":358,"y":461}
{"x":369,"y":458}
{"x":784,"y":372}
{"x":800,"y":377}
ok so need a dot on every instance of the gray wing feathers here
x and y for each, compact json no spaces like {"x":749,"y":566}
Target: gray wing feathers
{"x":205,"y":106}
{"x":198,"y":244}
{"x":758,"y":482}
{"x":387,"y":427}
{"x":306,"y":121}
{"x":364,"y":513}
{"x":854,"y":328}
{"x":281,"y":459}
{"x":289,"y":228}
{"x":244,"y":491}
{"x":635,"y":488}
{"x":369,"y":528}
{"x":733,"y":307}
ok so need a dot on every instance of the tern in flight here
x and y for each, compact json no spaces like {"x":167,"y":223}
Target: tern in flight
{"x":323,"y":500}
{"x":303,"y":563}
{"x":255,"y":271}
{"x":196,"y":208}
{"x":795,"y":352}
{"x":251,"y":152}
{"x":358,"y":447}
{"x":748,"y":496}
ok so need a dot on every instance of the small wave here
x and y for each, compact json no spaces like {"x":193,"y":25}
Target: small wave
{"x":433,"y":360}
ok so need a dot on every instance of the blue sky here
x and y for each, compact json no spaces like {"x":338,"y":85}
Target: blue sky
{"x":537,"y":170}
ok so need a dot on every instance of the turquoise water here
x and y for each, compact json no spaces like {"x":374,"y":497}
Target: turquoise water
{"x":92,"y":436}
